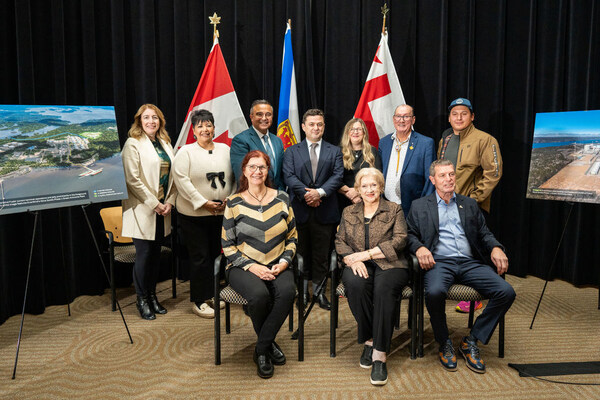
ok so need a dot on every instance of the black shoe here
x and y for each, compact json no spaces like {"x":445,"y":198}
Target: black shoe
{"x":379,"y":373}
{"x":264,"y":366}
{"x":143,"y":307}
{"x":323,"y":302}
{"x":276,"y":354}
{"x":366,"y":359}
{"x":155,"y":305}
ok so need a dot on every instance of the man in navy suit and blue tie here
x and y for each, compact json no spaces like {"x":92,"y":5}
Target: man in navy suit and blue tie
{"x":406,"y":156}
{"x":313,"y":170}
{"x":258,"y":137}
{"x":448,"y":234}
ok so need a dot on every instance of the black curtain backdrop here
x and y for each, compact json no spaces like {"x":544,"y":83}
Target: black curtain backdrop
{"x":512,"y":58}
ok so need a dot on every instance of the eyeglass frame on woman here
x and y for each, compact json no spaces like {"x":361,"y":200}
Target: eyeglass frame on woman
{"x":254,"y":167}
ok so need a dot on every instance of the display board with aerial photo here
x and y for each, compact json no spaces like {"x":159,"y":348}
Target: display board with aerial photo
{"x":565,"y":157}
{"x":58,"y":156}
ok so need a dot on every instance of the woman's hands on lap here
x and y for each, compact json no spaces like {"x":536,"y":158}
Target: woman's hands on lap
{"x":262,"y":272}
{"x":359,"y":268}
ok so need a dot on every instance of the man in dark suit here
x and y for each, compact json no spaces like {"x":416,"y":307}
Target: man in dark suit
{"x":313,"y":171}
{"x":258,"y":137}
{"x":447,"y":232}
{"x":406,"y":156}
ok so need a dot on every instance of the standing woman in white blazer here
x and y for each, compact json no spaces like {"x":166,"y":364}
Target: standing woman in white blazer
{"x":147,"y":156}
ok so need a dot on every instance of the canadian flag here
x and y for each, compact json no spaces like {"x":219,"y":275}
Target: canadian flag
{"x":381,"y":95}
{"x":216,"y":94}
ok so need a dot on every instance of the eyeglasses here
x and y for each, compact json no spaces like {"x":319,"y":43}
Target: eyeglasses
{"x":356,"y":129}
{"x":402,"y":117}
{"x":253,"y":168}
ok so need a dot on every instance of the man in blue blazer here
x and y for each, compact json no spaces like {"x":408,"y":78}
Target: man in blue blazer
{"x":313,"y":171}
{"x":258,"y":137}
{"x":406,"y":156}
{"x":448,"y":234}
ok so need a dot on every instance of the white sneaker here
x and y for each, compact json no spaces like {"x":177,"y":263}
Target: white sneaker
{"x":204,"y":311}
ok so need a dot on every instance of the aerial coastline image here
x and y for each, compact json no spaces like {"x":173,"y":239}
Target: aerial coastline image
{"x":56,"y":156}
{"x":565,"y":157}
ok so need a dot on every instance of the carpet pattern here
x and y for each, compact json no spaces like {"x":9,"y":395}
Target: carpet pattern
{"x":88,"y":355}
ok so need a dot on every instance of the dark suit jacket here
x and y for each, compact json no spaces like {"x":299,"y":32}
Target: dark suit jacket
{"x":297,"y":175}
{"x":414,"y":180}
{"x":249,"y":140}
{"x":387,"y":230}
{"x":423,"y":226}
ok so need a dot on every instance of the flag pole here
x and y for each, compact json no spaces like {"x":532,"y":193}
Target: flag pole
{"x":214,"y":21}
{"x":384,"y":11}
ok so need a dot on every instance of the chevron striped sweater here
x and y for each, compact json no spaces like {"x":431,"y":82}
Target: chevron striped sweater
{"x":250,"y":236}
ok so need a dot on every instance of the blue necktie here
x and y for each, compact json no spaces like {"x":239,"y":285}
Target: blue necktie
{"x":269,"y":151}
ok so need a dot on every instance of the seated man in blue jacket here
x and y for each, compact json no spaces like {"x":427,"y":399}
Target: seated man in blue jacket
{"x":447,"y":232}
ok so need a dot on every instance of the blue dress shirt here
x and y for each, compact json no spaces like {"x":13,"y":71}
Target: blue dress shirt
{"x":452,"y":242}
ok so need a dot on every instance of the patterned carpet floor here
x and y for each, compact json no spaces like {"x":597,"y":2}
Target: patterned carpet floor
{"x":88,"y":355}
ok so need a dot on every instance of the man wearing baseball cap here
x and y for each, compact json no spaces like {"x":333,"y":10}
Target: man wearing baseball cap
{"x":476,"y":157}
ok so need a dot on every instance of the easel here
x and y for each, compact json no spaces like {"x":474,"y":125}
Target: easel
{"x":35,"y":227}
{"x":554,"y":262}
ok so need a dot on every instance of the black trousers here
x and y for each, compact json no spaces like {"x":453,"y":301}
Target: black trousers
{"x":202,"y":237}
{"x":147,"y":260}
{"x":314,"y":242}
{"x":373,"y":302}
{"x":269,"y":302}
{"x":482,"y":278}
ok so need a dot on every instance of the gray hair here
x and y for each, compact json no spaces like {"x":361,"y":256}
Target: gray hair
{"x":259,"y":102}
{"x":441,"y":162}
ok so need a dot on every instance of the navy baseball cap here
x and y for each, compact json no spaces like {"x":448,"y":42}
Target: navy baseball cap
{"x":460,"y":102}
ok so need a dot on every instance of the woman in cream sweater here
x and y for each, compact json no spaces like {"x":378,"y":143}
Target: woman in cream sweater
{"x":203,"y":176}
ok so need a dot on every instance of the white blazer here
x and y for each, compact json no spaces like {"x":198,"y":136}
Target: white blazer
{"x":142,"y":169}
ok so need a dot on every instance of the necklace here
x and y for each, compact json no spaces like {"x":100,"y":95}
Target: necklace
{"x":260,"y":208}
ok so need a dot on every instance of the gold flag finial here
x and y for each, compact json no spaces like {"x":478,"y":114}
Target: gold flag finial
{"x":214,"y":21}
{"x":384,"y":11}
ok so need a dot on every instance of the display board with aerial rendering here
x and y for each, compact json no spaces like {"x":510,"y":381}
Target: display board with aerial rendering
{"x":58,"y":156}
{"x":565,"y":157}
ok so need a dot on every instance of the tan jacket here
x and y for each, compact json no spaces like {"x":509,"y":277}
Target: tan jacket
{"x":479,"y":165}
{"x":387,"y":230}
{"x":142,"y":170}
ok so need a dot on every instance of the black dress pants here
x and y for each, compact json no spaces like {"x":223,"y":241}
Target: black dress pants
{"x":373,"y":302}
{"x":314,"y":241}
{"x":147,"y":260}
{"x":202,"y":237}
{"x":269,"y":302}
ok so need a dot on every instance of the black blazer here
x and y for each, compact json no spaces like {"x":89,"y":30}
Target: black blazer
{"x":297,"y":175}
{"x":424,"y":227}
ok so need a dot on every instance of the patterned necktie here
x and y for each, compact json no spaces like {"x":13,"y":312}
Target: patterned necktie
{"x":314,"y":159}
{"x":269,"y":151}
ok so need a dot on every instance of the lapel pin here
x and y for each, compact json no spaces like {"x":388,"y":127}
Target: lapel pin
{"x":411,"y":147}
{"x":460,"y":206}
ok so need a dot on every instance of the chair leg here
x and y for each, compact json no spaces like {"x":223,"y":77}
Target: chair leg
{"x":333,"y":323}
{"x":291,"y":319}
{"x":501,"y":338}
{"x":217,"y":324}
{"x":399,"y":307}
{"x":471,"y":313}
{"x":300,"y":325}
{"x":421,"y":312}
{"x":227,"y":318}
{"x":113,"y":290}
{"x":412,"y":321}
